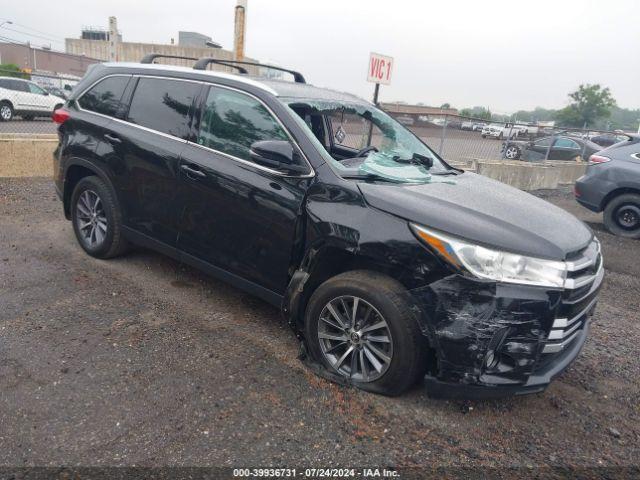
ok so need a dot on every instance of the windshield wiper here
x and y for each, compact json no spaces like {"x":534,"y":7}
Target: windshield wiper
{"x":369,"y":176}
{"x":416,"y":159}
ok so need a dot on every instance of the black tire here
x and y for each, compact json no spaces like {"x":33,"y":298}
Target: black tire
{"x":6,"y":112}
{"x":484,"y":136}
{"x":408,"y":362}
{"x":112,"y":242}
{"x":622,"y":215}
{"x":512,"y":152}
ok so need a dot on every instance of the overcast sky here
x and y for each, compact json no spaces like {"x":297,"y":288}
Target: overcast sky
{"x":504,"y":54}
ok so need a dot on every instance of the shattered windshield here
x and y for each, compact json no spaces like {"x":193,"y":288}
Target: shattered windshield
{"x":364,"y":142}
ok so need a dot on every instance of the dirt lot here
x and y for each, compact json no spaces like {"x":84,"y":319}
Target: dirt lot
{"x":143,"y":361}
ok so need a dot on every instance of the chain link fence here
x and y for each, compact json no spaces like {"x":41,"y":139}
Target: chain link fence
{"x":460,"y":139}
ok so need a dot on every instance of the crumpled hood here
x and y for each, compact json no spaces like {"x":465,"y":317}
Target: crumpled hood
{"x":484,"y":211}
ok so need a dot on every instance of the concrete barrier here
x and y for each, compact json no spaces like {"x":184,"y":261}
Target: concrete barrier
{"x":524,"y":176}
{"x":568,"y":172}
{"x":27,"y":155}
{"x":30,"y":155}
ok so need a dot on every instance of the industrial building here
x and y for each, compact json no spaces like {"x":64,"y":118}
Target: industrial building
{"x":109,"y":46}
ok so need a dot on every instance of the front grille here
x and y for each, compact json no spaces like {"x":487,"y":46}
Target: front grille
{"x":583,"y":267}
{"x":579,"y":299}
{"x":565,"y":330}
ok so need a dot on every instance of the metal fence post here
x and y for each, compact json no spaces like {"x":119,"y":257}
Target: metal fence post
{"x":443,"y":136}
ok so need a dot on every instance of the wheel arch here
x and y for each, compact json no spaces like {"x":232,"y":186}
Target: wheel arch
{"x":615,"y":193}
{"x":318,"y":266}
{"x":76,"y":170}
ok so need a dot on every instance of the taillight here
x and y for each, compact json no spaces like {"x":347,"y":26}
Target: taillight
{"x":598,"y":159}
{"x":60,"y":116}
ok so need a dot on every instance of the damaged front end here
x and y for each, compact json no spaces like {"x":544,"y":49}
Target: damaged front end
{"x":499,"y":336}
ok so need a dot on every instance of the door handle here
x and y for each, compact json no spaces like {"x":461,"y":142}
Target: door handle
{"x":193,"y":171}
{"x":112,"y":138}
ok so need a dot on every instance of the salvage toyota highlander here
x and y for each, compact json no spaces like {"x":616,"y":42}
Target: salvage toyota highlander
{"x":389,"y":264}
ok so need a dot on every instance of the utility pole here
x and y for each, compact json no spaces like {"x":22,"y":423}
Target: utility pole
{"x":114,"y":40}
{"x":239,"y":30}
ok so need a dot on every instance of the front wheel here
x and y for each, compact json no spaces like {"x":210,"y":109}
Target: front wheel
{"x":360,"y":326}
{"x":622,"y":215}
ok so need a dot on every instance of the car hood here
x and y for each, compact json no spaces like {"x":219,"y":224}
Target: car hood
{"x":486,"y":212}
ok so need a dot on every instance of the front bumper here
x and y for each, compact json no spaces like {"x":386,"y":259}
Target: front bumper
{"x":493,"y":340}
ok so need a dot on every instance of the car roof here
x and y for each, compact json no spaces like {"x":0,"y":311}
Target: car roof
{"x":278,"y":88}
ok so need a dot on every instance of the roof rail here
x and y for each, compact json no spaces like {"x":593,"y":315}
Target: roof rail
{"x":203,"y":62}
{"x":150,"y":57}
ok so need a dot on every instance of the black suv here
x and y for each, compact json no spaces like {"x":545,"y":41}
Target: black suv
{"x":389,"y":264}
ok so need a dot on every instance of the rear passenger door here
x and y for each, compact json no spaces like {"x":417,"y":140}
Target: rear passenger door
{"x":236,"y":215}
{"x":145,"y":150}
{"x":565,"y":149}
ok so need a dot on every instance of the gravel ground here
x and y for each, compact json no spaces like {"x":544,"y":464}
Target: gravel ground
{"x":143,"y":361}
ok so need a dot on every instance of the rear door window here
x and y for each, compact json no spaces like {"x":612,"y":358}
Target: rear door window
{"x":17,"y":86}
{"x":231,"y":121}
{"x":163,"y":105}
{"x":105,"y":96}
{"x":566,"y":143}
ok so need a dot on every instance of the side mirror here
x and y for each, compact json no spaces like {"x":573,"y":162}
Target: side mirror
{"x":45,"y":93}
{"x":278,"y":155}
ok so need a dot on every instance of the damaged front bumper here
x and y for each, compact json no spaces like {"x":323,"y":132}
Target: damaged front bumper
{"x":493,"y":340}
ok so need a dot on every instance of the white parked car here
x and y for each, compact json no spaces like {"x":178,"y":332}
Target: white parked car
{"x":26,"y":99}
{"x":500,"y":131}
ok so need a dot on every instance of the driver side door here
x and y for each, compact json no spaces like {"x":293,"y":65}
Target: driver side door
{"x":237,"y":217}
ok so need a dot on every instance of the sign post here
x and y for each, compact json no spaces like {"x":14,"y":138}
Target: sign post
{"x":380,"y":70}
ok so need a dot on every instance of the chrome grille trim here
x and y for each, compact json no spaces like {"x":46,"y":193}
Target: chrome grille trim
{"x":557,"y":347}
{"x":584,"y":263}
{"x":566,"y":330}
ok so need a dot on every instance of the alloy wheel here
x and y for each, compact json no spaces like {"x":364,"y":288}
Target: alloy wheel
{"x":511,"y":153}
{"x":5,"y":112}
{"x":355,"y":339}
{"x":91,"y":219}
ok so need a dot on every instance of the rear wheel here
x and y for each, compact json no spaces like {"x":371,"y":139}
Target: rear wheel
{"x":360,"y":327}
{"x":96,"y":219}
{"x":512,"y":152}
{"x":622,"y":215}
{"x":6,"y":111}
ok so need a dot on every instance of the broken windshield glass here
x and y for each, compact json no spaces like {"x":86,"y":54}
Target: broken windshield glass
{"x":364,"y":142}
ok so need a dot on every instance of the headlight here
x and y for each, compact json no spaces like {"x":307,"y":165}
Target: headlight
{"x":493,"y":264}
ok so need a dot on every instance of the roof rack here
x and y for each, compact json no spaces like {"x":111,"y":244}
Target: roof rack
{"x":150,"y":57}
{"x":203,"y":62}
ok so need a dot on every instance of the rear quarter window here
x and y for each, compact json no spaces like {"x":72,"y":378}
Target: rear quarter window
{"x":163,"y":105}
{"x":105,"y":96}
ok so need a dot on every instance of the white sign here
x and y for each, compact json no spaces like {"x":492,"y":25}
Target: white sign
{"x":380,"y":69}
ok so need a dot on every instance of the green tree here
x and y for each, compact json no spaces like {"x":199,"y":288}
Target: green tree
{"x":476,"y":112}
{"x":590,"y":103}
{"x":445,"y":105}
{"x":12,"y":70}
